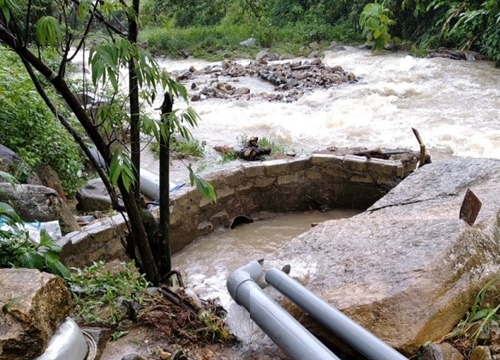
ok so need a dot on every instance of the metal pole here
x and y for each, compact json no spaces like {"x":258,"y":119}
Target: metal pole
{"x":342,"y":326}
{"x":281,"y":327}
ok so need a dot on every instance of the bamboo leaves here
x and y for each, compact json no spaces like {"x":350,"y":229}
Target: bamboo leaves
{"x":48,"y":31}
{"x":6,"y":7}
{"x":121,"y":168}
{"x":205,"y":188}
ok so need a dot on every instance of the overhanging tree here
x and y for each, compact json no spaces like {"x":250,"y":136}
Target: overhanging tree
{"x":67,"y":31}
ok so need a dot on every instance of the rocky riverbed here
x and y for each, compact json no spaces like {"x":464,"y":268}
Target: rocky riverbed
{"x":290,"y":79}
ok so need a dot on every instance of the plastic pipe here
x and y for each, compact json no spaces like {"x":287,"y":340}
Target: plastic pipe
{"x":67,"y":342}
{"x":281,"y":327}
{"x":339,"y":324}
{"x":150,"y":183}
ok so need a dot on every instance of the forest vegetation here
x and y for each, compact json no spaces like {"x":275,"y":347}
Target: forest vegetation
{"x":206,"y":26}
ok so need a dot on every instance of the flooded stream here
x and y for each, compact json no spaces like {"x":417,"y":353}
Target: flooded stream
{"x":455,"y":105}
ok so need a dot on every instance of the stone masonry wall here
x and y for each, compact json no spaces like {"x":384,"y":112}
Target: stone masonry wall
{"x":301,"y":184}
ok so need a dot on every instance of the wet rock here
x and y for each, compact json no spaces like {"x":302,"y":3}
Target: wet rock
{"x":132,"y":357}
{"x":249,"y":42}
{"x":185,"y":53}
{"x":455,"y":54}
{"x":314,"y":54}
{"x":261,"y":55}
{"x":194,"y":86}
{"x":334,"y":46}
{"x":480,"y":353}
{"x":408,"y":268}
{"x":252,"y":151}
{"x":11,"y":163}
{"x":314,"y":45}
{"x":223,"y":149}
{"x":195,"y":97}
{"x":93,"y":196}
{"x":241,"y":91}
{"x":9,"y":160}
{"x":184,"y":75}
{"x":290,"y":79}
{"x":442,"y":351}
{"x":34,"y":304}
{"x":38,"y":203}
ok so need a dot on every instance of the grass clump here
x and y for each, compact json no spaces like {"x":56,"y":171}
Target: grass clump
{"x":476,"y":328}
{"x":103,"y":294}
{"x":181,"y":149}
{"x":265,"y":142}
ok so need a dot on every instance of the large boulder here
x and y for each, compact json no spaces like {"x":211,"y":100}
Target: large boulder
{"x":33,"y":304}
{"x":93,"y":196}
{"x":38,"y":203}
{"x":9,"y":160}
{"x":11,"y":163}
{"x":407,"y":269}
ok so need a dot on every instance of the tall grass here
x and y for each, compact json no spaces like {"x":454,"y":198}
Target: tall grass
{"x":199,"y":40}
{"x":215,"y":42}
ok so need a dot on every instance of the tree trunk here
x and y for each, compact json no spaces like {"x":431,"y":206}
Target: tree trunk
{"x":139,"y":235}
{"x":135,"y":145}
{"x":166,"y":261}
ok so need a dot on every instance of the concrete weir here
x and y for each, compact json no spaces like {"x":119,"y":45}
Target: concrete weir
{"x":280,"y":186}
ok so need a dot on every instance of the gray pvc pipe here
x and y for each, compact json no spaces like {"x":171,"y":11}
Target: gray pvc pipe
{"x":150,"y":183}
{"x":281,"y":327}
{"x":342,"y":326}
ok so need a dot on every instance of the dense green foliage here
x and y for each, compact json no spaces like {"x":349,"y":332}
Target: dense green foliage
{"x":201,"y":25}
{"x":375,"y":22}
{"x":18,"y":250}
{"x":30,"y":129}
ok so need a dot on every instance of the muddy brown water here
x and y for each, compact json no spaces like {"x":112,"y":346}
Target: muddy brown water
{"x":208,"y":261}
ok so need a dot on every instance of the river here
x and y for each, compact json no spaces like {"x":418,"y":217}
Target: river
{"x":455,"y":105}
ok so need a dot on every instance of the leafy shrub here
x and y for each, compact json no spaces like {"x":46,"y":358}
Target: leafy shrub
{"x":375,"y":22}
{"x":31,"y":130}
{"x":17,"y":250}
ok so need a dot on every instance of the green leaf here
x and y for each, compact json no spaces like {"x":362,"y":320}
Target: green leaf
{"x":7,"y":212}
{"x":121,"y":167}
{"x":54,"y":264}
{"x":8,"y":6}
{"x":32,"y":260}
{"x":8,"y":177}
{"x":83,"y":9}
{"x":48,"y":242}
{"x":48,"y":31}
{"x":205,"y":188}
{"x":480,"y":315}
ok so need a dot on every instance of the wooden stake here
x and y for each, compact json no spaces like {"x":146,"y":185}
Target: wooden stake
{"x":423,"y":152}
